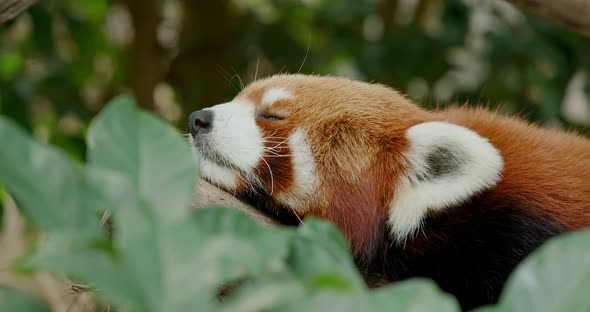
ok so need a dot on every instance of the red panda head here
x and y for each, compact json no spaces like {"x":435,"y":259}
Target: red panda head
{"x":351,"y":152}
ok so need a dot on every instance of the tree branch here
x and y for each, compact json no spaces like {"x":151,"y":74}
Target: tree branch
{"x":9,"y":9}
{"x":207,"y":195}
{"x":573,"y":15}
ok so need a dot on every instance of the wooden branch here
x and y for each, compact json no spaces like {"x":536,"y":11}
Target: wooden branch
{"x":10,"y":9}
{"x":573,"y":15}
{"x":207,"y":195}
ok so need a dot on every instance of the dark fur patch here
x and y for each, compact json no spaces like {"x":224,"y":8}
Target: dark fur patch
{"x":265,"y":204}
{"x":469,"y":251}
{"x":445,"y":160}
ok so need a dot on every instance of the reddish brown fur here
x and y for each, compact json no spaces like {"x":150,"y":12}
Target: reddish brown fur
{"x":357,"y":134}
{"x":354,"y":193}
{"x":548,"y":170}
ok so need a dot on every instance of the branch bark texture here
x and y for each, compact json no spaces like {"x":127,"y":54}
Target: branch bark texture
{"x":573,"y":15}
{"x":207,"y":195}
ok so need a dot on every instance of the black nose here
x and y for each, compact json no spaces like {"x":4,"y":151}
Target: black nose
{"x":200,"y":121}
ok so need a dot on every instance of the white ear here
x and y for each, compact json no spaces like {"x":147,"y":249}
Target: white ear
{"x":448,"y":164}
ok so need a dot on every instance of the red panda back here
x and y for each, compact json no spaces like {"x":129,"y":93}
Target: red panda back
{"x":546,"y":170}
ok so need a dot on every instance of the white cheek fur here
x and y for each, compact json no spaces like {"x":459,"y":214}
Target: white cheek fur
{"x":305,"y":181}
{"x":236,"y":136}
{"x":218,"y":175}
{"x":215,"y":173}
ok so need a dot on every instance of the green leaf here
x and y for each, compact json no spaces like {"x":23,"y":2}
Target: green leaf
{"x":11,"y":64}
{"x":85,"y":259}
{"x":220,"y":245}
{"x":13,"y":300}
{"x":328,"y":300}
{"x":413,"y":295}
{"x":151,"y":154}
{"x":487,"y":308}
{"x":48,"y":187}
{"x":554,"y":278}
{"x":266,"y":293}
{"x":175,"y":257}
{"x":159,"y":166}
{"x":320,"y":256}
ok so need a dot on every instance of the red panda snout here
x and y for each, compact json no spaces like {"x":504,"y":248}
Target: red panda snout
{"x":230,"y":146}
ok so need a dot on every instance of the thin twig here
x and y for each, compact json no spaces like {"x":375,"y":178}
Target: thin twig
{"x":10,"y":9}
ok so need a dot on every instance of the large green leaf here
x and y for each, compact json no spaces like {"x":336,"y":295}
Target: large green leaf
{"x":176,"y":259}
{"x":265,"y":293}
{"x":555,"y":278}
{"x":89,"y":261}
{"x":152,"y":155}
{"x":414,"y":295}
{"x":214,"y":247}
{"x":329,"y":300}
{"x":320,"y":256}
{"x":13,"y":300}
{"x":160,"y":169}
{"x":48,"y":187}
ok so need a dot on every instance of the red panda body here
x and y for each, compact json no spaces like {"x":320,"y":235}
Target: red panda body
{"x":459,"y":195}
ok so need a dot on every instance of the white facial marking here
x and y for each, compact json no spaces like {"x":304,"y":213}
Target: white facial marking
{"x":235,"y":134}
{"x":474,"y":165}
{"x":305,"y":178}
{"x":218,"y":175}
{"x":237,"y":139}
{"x":273,"y":95}
{"x":215,"y":173}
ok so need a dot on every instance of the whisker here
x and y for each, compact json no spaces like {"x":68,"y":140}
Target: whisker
{"x":283,"y":68}
{"x":276,"y":137}
{"x":239,"y":78}
{"x":229,"y":80}
{"x":279,"y":138}
{"x":272,"y":184}
{"x":296,"y":215}
{"x":306,"y":53}
{"x":256,"y":72}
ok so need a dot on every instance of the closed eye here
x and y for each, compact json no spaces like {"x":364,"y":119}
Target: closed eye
{"x":268,"y":116}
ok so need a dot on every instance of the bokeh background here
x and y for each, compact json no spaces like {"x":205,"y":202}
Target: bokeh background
{"x":61,"y":61}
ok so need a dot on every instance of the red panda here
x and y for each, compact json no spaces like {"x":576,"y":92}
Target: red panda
{"x":459,"y":195}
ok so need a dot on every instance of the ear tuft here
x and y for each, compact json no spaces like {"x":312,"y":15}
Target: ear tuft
{"x":448,"y":164}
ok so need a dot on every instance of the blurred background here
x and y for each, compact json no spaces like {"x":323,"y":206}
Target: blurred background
{"x":61,"y":61}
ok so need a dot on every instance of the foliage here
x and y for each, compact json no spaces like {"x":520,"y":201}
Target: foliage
{"x":61,"y":61}
{"x":12,"y":300}
{"x":164,"y":256}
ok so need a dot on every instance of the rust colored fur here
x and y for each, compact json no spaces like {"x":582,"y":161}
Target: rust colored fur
{"x":357,"y":130}
{"x":548,"y":170}
{"x":358,"y":160}
{"x":357,"y":134}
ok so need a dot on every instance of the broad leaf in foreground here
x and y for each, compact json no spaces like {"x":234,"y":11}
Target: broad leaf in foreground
{"x":158,"y":164}
{"x":13,"y":300}
{"x":320,"y":256}
{"x":176,"y":258}
{"x":554,"y":278}
{"x":414,"y":295}
{"x":269,"y":292}
{"x":48,"y":187}
{"x":61,"y":198}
